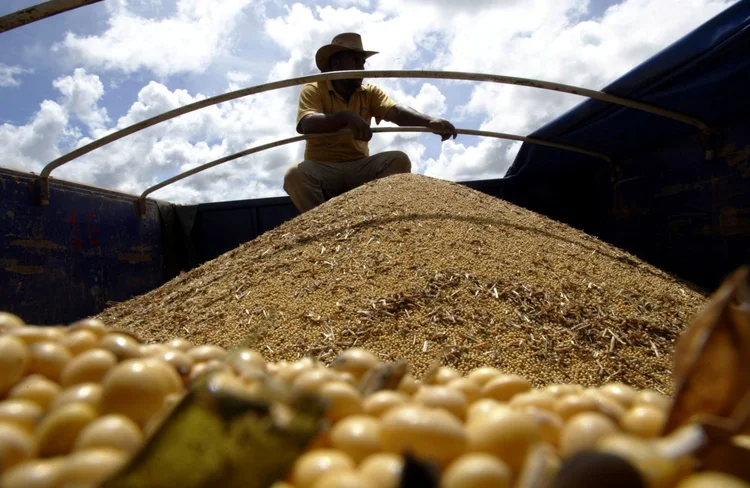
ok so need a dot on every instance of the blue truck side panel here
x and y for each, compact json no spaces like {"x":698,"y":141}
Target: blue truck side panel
{"x":686,"y":214}
{"x":68,"y":259}
{"x":220,"y":227}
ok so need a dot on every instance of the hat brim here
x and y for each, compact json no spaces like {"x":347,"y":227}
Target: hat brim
{"x":322,"y":57}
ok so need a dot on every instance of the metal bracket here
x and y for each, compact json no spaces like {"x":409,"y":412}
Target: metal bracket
{"x":615,"y":175}
{"x":43,"y":185}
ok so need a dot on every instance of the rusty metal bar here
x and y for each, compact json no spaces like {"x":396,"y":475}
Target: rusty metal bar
{"x":40,"y":11}
{"x":338,"y":75}
{"x":281,"y":142}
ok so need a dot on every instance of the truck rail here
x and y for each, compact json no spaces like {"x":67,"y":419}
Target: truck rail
{"x":40,"y":11}
{"x":281,"y":142}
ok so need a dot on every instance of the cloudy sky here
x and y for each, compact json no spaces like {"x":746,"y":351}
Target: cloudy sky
{"x":76,"y":77}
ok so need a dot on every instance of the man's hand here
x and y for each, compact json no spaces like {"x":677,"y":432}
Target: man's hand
{"x":402,"y":115}
{"x":442,"y":127}
{"x":360,"y":129}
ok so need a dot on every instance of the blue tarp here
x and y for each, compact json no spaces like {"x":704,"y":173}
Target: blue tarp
{"x":705,"y":74}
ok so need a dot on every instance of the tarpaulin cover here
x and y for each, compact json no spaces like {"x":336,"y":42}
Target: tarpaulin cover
{"x":705,"y":74}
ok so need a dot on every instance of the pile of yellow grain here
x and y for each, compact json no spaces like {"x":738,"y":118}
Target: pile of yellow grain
{"x":77,"y":402}
{"x":414,"y":268}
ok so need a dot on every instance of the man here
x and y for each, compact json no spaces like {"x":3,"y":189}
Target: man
{"x":336,"y":164}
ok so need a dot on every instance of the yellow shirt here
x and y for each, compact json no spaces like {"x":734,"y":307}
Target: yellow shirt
{"x":320,"y":98}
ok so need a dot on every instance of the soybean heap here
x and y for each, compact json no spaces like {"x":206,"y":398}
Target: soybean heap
{"x":416,"y":268}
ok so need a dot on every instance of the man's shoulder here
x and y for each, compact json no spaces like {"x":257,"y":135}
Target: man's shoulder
{"x":377,"y":97}
{"x":371,"y":88}
{"x":315,"y":86}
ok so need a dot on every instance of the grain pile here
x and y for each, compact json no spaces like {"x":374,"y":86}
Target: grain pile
{"x":415,"y":268}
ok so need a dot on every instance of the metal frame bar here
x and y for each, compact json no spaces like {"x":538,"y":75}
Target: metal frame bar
{"x":40,"y":11}
{"x":338,"y":75}
{"x":282,"y":142}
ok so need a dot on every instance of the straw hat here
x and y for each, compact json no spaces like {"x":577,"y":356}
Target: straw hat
{"x":343,"y":42}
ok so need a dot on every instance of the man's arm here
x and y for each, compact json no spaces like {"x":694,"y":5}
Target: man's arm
{"x":402,"y":115}
{"x":322,"y":123}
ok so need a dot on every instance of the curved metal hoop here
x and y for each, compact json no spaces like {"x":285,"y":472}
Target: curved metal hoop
{"x":281,"y":142}
{"x":337,"y":75}
{"x":40,"y":11}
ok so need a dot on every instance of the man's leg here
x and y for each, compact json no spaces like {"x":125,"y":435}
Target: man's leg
{"x":311,"y":183}
{"x":377,"y":166}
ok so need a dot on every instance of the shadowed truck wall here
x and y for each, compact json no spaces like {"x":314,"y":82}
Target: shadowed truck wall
{"x":685,"y":213}
{"x":68,"y":259}
{"x":89,"y":248}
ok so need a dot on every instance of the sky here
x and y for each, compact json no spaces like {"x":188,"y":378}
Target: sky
{"x":76,"y":77}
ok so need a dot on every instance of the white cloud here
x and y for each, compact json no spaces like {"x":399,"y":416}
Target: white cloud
{"x":491,"y":158}
{"x":147,"y":157}
{"x":27,"y":147}
{"x":543,"y":45}
{"x":429,"y":100}
{"x":347,"y":3}
{"x":189,"y":41}
{"x":9,"y":74}
{"x":303,"y":30}
{"x":474,"y":6}
{"x":238,"y":79}
{"x":81,"y":93}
